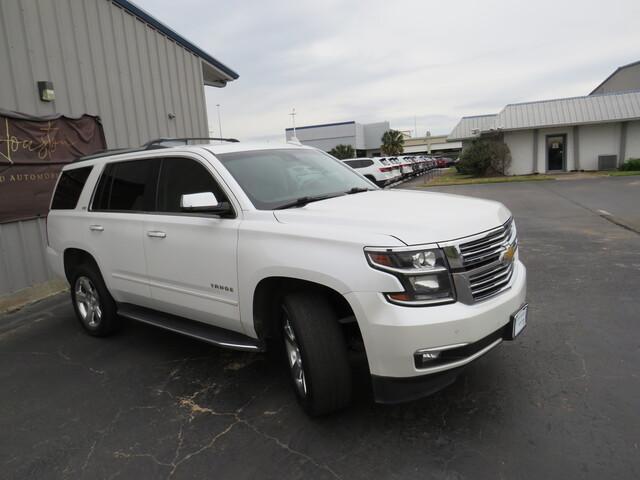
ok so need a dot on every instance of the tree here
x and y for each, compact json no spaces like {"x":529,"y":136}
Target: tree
{"x":392,"y":142}
{"x":342,"y":152}
{"x":485,"y":156}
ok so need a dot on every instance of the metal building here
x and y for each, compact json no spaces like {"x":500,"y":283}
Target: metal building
{"x":106,"y":58}
{"x":364,"y":138}
{"x":102,"y":57}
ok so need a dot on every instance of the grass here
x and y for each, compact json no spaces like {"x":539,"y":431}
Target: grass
{"x":452,"y":177}
{"x":627,"y":173}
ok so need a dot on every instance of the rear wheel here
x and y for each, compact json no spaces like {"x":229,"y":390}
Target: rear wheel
{"x":94,"y":306}
{"x":316,"y":353}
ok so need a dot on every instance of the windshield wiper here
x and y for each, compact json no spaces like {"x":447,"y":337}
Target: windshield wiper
{"x":302,"y":201}
{"x":357,"y":190}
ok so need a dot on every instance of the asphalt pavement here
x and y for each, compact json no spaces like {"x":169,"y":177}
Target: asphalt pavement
{"x":560,"y":402}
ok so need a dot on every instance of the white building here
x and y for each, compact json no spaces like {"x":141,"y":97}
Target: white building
{"x":598,"y":131}
{"x":364,"y":138}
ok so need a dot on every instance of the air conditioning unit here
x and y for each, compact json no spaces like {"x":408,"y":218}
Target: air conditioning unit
{"x":607,"y":162}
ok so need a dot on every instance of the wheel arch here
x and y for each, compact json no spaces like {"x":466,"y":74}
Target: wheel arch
{"x":268,"y":295}
{"x":76,"y":256}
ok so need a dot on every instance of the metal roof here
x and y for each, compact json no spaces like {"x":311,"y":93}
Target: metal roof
{"x":466,"y":125}
{"x":609,"y":107}
{"x":632,"y":64}
{"x":320,"y":125}
{"x":179,"y":39}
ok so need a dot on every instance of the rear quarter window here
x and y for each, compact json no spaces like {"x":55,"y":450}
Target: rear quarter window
{"x":69,"y":188}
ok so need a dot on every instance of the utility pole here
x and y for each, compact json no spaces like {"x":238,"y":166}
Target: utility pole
{"x":293,"y":121}
{"x":219,"y":121}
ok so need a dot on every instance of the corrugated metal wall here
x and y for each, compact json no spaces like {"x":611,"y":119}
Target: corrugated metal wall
{"x":22,"y":261}
{"x":103,"y":61}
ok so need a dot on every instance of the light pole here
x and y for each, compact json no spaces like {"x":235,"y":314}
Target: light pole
{"x":219,"y":121}
{"x":293,"y":120}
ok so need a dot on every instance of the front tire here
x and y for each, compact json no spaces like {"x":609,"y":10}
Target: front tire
{"x":316,"y":353}
{"x":92,"y":302}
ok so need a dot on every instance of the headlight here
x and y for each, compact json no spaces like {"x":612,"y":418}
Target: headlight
{"x":424,"y":274}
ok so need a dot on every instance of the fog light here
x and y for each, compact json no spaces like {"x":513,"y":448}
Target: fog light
{"x":430,"y":355}
{"x":427,"y":358}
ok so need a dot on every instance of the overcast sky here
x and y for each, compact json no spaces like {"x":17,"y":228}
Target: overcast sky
{"x":395,"y":60}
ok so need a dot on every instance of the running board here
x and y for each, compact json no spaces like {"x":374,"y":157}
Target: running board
{"x":201,"y":331}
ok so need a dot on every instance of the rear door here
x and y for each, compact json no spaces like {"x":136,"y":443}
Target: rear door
{"x":192,"y":257}
{"x":124,"y":195}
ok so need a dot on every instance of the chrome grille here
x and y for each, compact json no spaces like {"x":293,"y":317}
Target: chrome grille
{"x":480,"y":269}
{"x":487,"y":249}
{"x":491,"y":281}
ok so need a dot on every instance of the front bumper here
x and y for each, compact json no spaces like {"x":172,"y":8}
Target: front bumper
{"x":393,"y":333}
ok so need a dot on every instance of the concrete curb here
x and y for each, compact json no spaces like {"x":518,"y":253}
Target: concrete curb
{"x":16,"y":300}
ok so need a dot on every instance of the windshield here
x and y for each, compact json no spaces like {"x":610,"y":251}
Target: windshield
{"x":272,"y":178}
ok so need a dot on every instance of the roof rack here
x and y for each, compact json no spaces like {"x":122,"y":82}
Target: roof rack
{"x":152,"y":145}
{"x":158,"y":142}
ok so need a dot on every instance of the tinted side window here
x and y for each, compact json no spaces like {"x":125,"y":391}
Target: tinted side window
{"x":126,"y":186}
{"x":359,"y":163}
{"x":69,"y":188}
{"x":182,"y":176}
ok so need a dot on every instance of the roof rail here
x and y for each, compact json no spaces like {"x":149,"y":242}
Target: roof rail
{"x":158,"y":142}
{"x":152,"y":145}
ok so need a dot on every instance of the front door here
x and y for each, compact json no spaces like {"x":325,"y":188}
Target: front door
{"x":191,"y":257}
{"x":556,"y":152}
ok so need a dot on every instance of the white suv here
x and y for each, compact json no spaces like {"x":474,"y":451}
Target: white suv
{"x":372,"y":169}
{"x":245,"y":246}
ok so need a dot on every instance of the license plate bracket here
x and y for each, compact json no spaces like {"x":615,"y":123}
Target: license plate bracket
{"x":517,"y":323}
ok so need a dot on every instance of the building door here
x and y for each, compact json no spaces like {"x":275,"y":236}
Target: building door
{"x":556,"y":152}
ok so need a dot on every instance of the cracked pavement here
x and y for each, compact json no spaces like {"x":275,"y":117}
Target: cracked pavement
{"x":560,"y":402}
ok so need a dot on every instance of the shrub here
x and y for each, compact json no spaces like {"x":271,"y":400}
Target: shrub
{"x":484,"y":156}
{"x":631,"y":164}
{"x":342,"y":152}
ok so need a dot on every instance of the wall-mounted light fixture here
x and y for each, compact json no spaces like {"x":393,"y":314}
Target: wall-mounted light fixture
{"x":171,"y":115}
{"x":46,"y":92}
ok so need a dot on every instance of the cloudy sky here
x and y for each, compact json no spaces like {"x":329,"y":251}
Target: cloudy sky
{"x":395,"y":60}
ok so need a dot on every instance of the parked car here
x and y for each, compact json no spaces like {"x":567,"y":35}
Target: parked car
{"x":395,"y":169}
{"x":406,"y":168}
{"x":441,"y":162}
{"x":251,"y":246}
{"x":373,"y":169}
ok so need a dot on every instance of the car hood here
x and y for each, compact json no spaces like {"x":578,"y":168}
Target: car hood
{"x":410,"y":216}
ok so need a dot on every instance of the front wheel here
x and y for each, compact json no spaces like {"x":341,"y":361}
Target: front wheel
{"x":316,"y":353}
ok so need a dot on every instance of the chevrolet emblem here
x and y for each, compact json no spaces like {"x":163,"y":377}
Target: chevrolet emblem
{"x":508,"y":255}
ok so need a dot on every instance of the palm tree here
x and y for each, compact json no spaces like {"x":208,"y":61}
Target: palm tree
{"x":342,"y":152}
{"x":392,"y":142}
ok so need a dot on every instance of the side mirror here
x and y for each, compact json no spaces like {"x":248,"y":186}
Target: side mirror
{"x":205,"y":202}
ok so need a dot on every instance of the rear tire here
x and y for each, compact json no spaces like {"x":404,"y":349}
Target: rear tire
{"x":316,"y":353}
{"x":94,"y":306}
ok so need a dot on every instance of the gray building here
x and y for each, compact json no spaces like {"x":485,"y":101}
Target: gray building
{"x":107,"y":58}
{"x":624,"y":79}
{"x":593,"y":132}
{"x":364,"y":138}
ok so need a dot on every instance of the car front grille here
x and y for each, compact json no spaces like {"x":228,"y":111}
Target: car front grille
{"x":483,"y":265}
{"x":486,"y":249}
{"x":490,"y":282}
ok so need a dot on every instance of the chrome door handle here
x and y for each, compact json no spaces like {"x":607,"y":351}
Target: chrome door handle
{"x":96,"y":228}
{"x":156,"y":234}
